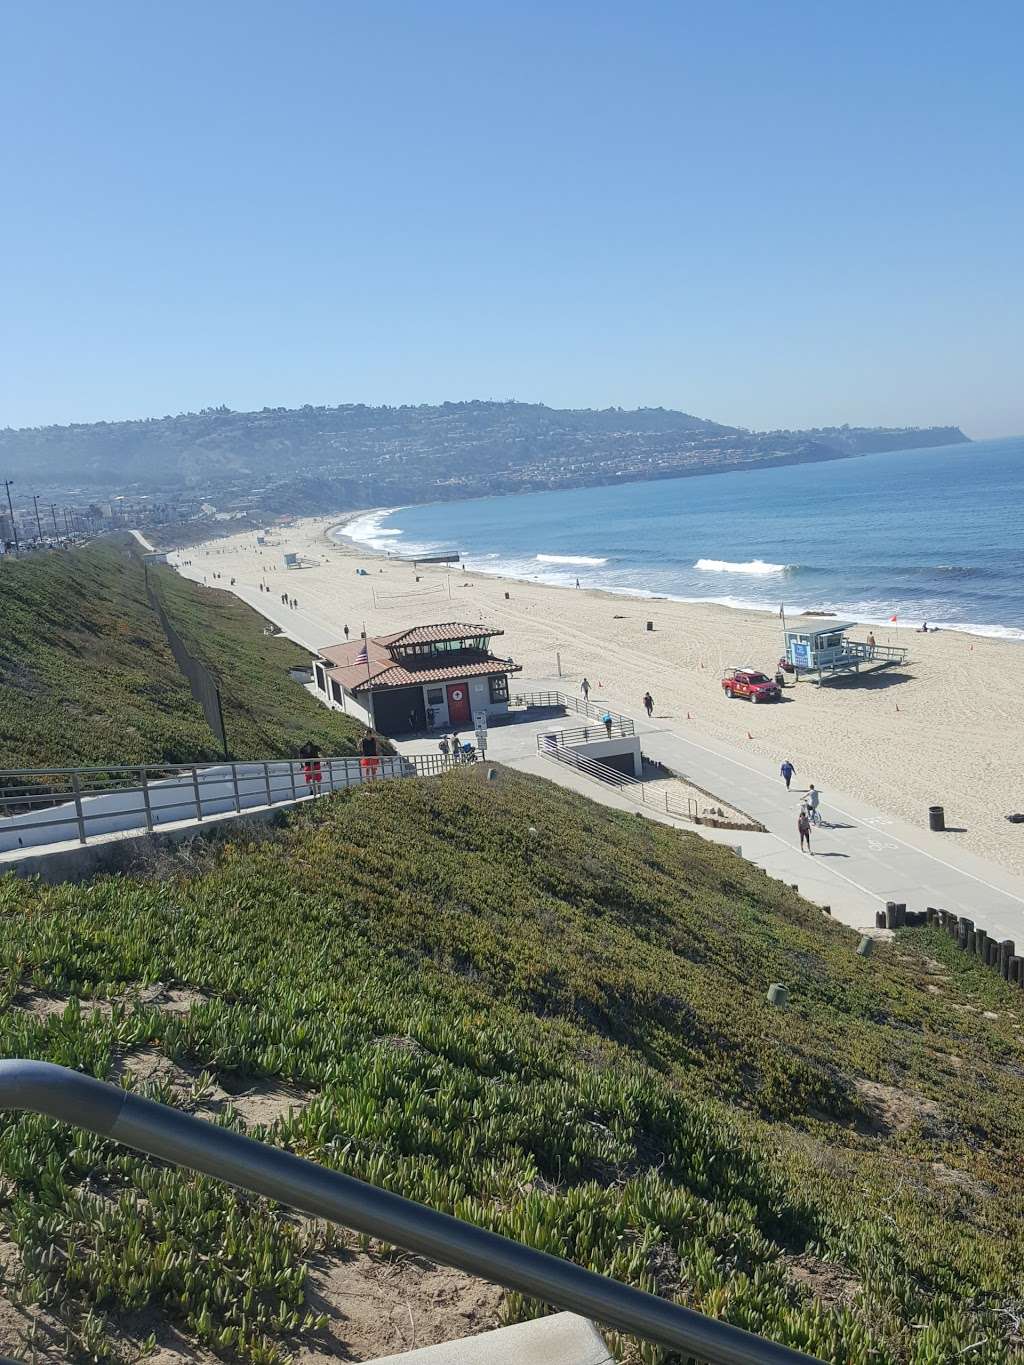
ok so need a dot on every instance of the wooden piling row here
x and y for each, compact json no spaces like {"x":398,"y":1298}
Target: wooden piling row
{"x":999,"y":955}
{"x":897,"y":916}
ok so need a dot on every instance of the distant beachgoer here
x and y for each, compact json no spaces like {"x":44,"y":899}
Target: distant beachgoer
{"x":346,"y":632}
{"x":577,"y":582}
{"x":813,"y":799}
{"x":648,"y":704}
{"x":311,"y":768}
{"x":369,"y":763}
{"x":803,"y":824}
{"x":787,"y":770}
{"x":871,"y":641}
{"x":585,"y":689}
{"x":606,"y":721}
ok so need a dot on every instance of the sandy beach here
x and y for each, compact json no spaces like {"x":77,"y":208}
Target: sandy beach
{"x":946,"y":729}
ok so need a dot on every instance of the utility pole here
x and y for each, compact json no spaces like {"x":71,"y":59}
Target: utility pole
{"x":53,"y":513}
{"x":14,"y":525}
{"x":39,"y":524}
{"x":67,"y":524}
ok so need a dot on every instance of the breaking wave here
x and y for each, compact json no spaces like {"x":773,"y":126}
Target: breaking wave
{"x":569,"y":559}
{"x":754,"y":566}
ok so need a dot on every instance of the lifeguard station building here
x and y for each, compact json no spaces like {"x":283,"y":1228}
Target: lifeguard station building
{"x":822,"y":647}
{"x":442,"y":677}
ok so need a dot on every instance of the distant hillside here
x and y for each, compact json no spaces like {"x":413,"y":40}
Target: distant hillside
{"x":549,"y":1018}
{"x":86,"y":677}
{"x":318,"y":457}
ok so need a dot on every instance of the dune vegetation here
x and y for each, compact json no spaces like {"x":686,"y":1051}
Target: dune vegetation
{"x":543,"y":1016}
{"x":87,"y":678}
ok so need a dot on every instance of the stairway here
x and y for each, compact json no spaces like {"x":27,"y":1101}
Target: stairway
{"x":563,"y":1339}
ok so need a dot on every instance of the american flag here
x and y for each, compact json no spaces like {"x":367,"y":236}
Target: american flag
{"x":362,"y":657}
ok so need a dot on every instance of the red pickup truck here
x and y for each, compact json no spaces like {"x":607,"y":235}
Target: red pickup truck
{"x":747,"y":682}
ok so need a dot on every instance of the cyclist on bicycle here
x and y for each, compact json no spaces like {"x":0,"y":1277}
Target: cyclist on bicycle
{"x":812,"y":799}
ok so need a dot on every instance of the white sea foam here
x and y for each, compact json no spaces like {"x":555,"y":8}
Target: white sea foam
{"x":366,"y":528}
{"x":754,"y":566}
{"x":569,"y":559}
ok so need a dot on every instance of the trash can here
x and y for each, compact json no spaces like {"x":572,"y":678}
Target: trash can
{"x":650,"y":625}
{"x":936,"y":817}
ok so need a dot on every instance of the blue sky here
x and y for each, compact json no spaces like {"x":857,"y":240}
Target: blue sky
{"x":779,"y":214}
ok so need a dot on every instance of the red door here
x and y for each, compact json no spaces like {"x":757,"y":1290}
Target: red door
{"x":458,"y":704}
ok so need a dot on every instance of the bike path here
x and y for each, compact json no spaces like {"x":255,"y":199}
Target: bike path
{"x":863,"y":856}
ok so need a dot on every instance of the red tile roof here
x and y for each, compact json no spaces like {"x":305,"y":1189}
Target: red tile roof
{"x":399,"y":676}
{"x":380,"y":670}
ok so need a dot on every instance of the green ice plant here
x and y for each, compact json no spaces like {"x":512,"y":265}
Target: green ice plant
{"x":572,"y":1049}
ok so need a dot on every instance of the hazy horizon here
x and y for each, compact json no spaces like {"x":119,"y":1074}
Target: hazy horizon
{"x":782,"y":217}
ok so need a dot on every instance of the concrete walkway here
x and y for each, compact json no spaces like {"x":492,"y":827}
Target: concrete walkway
{"x":861,"y":857}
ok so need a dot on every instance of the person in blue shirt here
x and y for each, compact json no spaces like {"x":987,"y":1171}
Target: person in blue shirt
{"x":787,"y":770}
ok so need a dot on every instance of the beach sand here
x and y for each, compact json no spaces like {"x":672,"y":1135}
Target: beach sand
{"x":945,"y":730}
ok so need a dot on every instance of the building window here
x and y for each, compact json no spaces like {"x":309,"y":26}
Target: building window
{"x":435,"y":696}
{"x":336,"y":689}
{"x":321,"y":678}
{"x":499,"y":687}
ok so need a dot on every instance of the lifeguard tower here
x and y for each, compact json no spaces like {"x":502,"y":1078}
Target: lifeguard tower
{"x":821,"y":647}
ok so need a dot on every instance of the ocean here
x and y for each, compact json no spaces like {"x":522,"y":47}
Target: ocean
{"x":925,"y":535}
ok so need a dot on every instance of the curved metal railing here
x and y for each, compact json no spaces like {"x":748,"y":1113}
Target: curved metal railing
{"x":187,"y":1141}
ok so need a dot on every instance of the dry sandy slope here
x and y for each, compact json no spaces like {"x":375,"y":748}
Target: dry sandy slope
{"x":947,"y":729}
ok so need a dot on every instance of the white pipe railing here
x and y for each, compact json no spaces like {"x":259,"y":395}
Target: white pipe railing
{"x":40,"y":806}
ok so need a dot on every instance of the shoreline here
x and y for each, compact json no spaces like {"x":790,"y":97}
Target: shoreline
{"x":942,"y":730}
{"x":1013,"y":635}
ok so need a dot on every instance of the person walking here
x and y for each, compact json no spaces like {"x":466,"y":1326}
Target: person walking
{"x":803,"y":824}
{"x":443,"y":746}
{"x":648,"y":704}
{"x":813,"y":799}
{"x":345,"y":629}
{"x":311,"y":768}
{"x":787,"y":770}
{"x":585,"y":689}
{"x":606,"y":721}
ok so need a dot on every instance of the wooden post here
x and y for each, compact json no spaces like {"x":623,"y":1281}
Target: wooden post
{"x":980,"y":940}
{"x":1006,"y":951}
{"x":891,"y":915}
{"x":880,"y":919}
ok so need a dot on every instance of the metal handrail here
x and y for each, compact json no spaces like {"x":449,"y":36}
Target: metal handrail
{"x":185,"y":1140}
{"x":612,"y":777}
{"x":562,"y":701}
{"x":152,"y":796}
{"x":619,"y":728}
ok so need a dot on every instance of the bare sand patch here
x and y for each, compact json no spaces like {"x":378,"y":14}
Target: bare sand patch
{"x":380,"y":1305}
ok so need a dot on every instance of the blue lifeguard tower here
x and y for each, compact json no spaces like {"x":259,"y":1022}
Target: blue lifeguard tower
{"x":821,"y":646}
